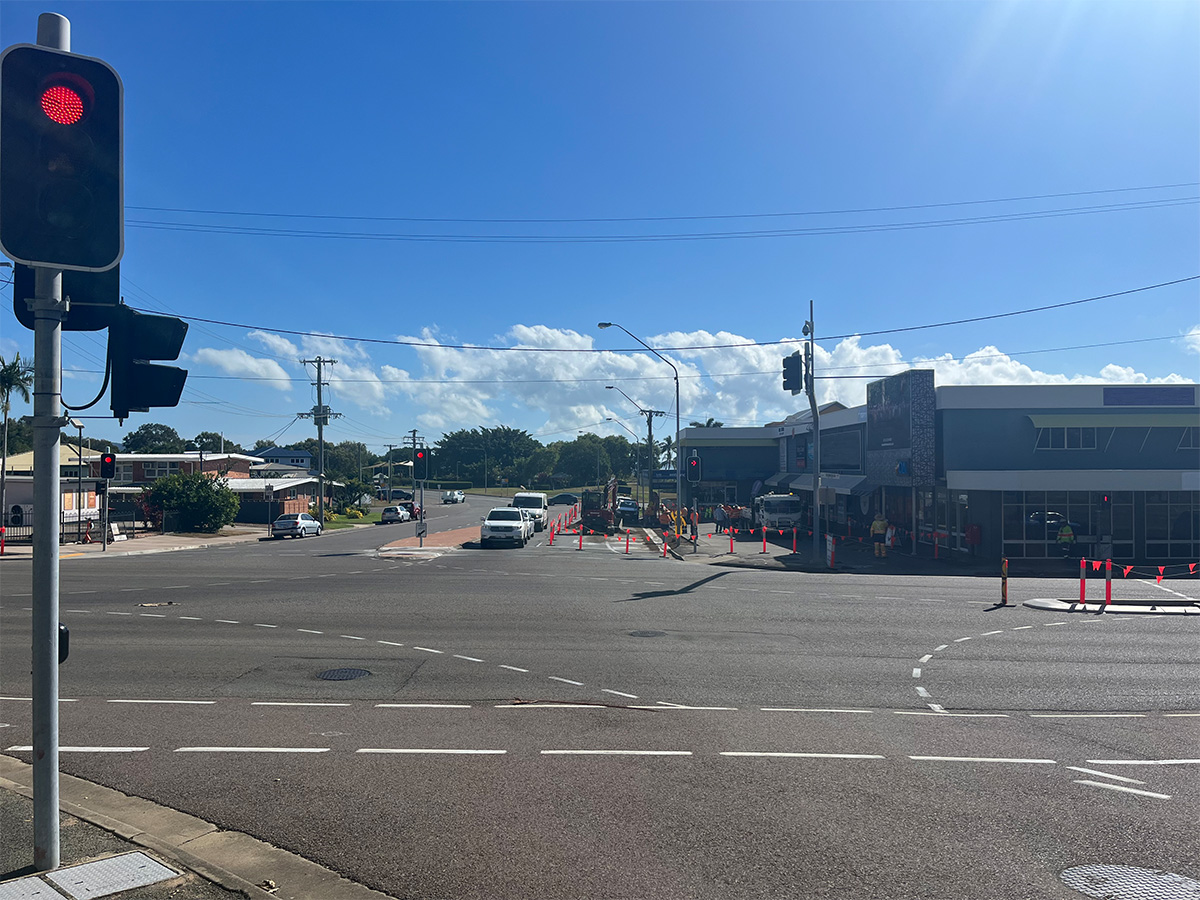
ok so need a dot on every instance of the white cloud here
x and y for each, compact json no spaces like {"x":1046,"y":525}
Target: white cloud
{"x":236,"y":361}
{"x":1191,"y":340}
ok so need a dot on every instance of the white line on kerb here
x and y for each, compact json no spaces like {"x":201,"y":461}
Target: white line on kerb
{"x":427,"y":649}
{"x":291,"y":703}
{"x":177,"y":702}
{"x":926,"y":658}
{"x":565,"y":680}
{"x":987,"y":759}
{"x":916,"y":673}
{"x":616,"y":752}
{"x":513,"y":668}
{"x":85,"y":749}
{"x":803,"y":755}
{"x":798,"y":709}
{"x":1105,"y":775}
{"x":445,"y":751}
{"x":620,"y":693}
{"x":467,"y":658}
{"x":1126,"y":790}
{"x":251,"y":749}
{"x":940,"y":648}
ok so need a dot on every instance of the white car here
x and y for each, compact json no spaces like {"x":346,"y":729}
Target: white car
{"x":295,"y":525}
{"x":454,"y":497}
{"x":394,"y":514}
{"x":508,"y":525}
{"x":537,"y":504}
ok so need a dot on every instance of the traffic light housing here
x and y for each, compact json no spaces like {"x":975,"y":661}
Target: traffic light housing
{"x":136,"y":384}
{"x":693,"y":469}
{"x":108,"y":465}
{"x":421,"y":464}
{"x":793,"y":377}
{"x":61,"y":165}
{"x":93,"y":296}
{"x":1105,"y":501}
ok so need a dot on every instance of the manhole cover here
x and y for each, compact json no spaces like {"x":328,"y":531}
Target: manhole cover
{"x":1130,"y":883}
{"x":647,"y":634}
{"x":342,"y":674}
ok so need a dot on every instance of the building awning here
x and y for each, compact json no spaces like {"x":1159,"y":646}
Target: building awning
{"x":776,"y":479}
{"x":1181,"y":419}
{"x":1072,"y":480}
{"x":852,"y":485}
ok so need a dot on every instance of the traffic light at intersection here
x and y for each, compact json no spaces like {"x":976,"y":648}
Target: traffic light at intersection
{"x":137,"y":384}
{"x":108,"y":465}
{"x":421,"y":464}
{"x":693,"y":470}
{"x":61,"y":188}
{"x":793,"y":373}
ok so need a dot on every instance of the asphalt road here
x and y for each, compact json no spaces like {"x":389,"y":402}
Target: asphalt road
{"x":545,"y":722}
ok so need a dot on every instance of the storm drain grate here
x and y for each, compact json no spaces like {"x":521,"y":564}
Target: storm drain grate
{"x":342,"y":674}
{"x":647,"y":634}
{"x":110,"y":876}
{"x":1130,"y":883}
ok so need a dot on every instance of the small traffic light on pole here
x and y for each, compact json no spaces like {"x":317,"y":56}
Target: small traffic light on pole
{"x":421,"y":464}
{"x":793,"y":377}
{"x":108,"y":465}
{"x":693,"y":470}
{"x":61,"y":185}
{"x":133,"y":339}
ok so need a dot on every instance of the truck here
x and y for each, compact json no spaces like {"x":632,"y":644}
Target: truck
{"x":779,"y":511}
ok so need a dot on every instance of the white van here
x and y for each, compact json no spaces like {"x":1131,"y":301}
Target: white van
{"x":537,"y":503}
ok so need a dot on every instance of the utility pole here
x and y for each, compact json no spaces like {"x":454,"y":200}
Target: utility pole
{"x":320,"y":415}
{"x":388,"y":497}
{"x":412,"y":436}
{"x":810,"y":332}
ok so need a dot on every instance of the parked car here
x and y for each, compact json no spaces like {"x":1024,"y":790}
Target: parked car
{"x":392,"y":514}
{"x":413,"y":509}
{"x":295,"y":525}
{"x":454,"y":497}
{"x":508,"y":525}
{"x":564,"y":499}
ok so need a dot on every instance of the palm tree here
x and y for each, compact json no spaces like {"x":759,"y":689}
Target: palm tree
{"x":668,"y":445}
{"x":15,"y":377}
{"x":710,"y":422}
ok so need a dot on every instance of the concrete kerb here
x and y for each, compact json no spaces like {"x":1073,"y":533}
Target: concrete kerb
{"x":231,"y":859}
{"x":1126,"y":607}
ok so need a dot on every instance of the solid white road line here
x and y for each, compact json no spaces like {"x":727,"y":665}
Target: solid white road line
{"x":28,"y":749}
{"x":1105,"y":775}
{"x":1126,"y":790}
{"x":436,"y":750}
{"x":1180,"y":715}
{"x":565,"y":680}
{"x":560,"y":706}
{"x":987,"y":759}
{"x":1144,"y":762}
{"x":616,"y":752}
{"x":797,"y":709}
{"x":674,"y":706}
{"x":177,"y":702}
{"x":946,"y":715}
{"x":292,"y":703}
{"x":620,"y":693}
{"x":1087,"y":715}
{"x":803,"y":755}
{"x":251,"y":749}
{"x":422,"y":705}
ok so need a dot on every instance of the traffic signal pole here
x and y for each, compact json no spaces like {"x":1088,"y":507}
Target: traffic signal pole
{"x":53,"y":31}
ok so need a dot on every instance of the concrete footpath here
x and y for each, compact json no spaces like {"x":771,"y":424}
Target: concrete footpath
{"x":212,"y":864}
{"x":145,"y":543}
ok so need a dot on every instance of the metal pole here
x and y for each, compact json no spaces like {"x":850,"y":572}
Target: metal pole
{"x":320,"y":447}
{"x":816,"y":431}
{"x":79,"y":484}
{"x":53,"y":31}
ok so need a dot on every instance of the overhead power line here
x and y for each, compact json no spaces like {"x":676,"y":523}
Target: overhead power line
{"x":679,"y":218}
{"x":833,"y":337}
{"x":869,"y":228}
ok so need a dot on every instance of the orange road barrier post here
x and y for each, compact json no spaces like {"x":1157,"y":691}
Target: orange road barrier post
{"x":580,"y":539}
{"x":626,"y":540}
{"x":764,"y":549}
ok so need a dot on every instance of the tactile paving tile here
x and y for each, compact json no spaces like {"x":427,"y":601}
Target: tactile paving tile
{"x":1130,"y":883}
{"x":110,"y":876}
{"x":28,"y":888}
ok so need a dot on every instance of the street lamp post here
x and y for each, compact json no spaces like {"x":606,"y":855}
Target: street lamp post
{"x":270,"y":503}
{"x":75,"y":423}
{"x":678,"y":470}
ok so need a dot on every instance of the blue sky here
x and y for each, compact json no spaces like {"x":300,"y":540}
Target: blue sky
{"x":652,"y":114}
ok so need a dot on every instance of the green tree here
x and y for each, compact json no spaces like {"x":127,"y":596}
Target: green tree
{"x":622,"y":455}
{"x":539,"y":466}
{"x":212,"y":442}
{"x":580,"y":460}
{"x":16,"y":377}
{"x":203,"y":503}
{"x":710,"y":422}
{"x":153,"y":438}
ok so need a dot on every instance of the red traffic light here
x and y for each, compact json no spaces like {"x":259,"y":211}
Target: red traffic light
{"x":62,"y":104}
{"x":420,"y":454}
{"x":108,"y":459}
{"x":693,"y":461}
